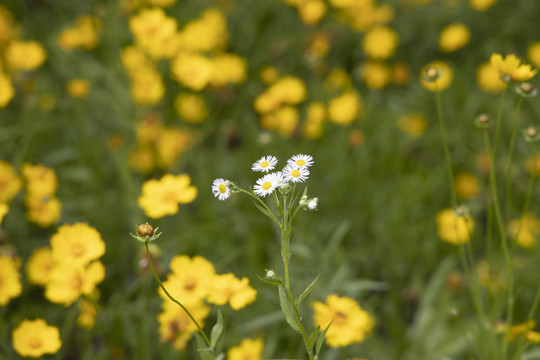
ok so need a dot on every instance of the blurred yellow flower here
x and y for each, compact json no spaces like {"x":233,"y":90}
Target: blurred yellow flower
{"x":316,"y":116}
{"x":345,"y":108}
{"x":312,"y":11}
{"x":205,"y":34}
{"x":467,"y":185}
{"x":443,"y":82}
{"x":135,"y":60}
{"x":454,"y":37}
{"x":525,"y":231}
{"x":401,"y":73}
{"x":25,"y":55}
{"x":44,"y":211}
{"x":192,"y":70}
{"x":78,"y":88}
{"x":350,"y":323}
{"x":236,"y":292}
{"x":41,"y":181}
{"x":87,"y":314}
{"x":6,"y":90}
{"x":162,"y":197}
{"x":10,"y":183}
{"x":35,"y":338}
{"x":289,"y":89}
{"x":171,"y":144}
{"x":8,"y":29}
{"x":162,"y":3}
{"x":380,"y":42}
{"x":176,"y":327}
{"x":191,"y":108}
{"x":39,"y":266}
{"x":488,"y":78}
{"x":147,"y":87}
{"x":142,"y":159}
{"x":249,"y":349}
{"x":84,"y":34}
{"x":77,"y":245}
{"x":413,"y":124}
{"x":454,"y":229}
{"x":228,"y":69}
{"x":269,"y":74}
{"x":482,"y":5}
{"x":510,"y":66}
{"x":337,"y":79}
{"x":319,"y":45}
{"x":376,"y":74}
{"x":153,"y":30}
{"x":10,"y":280}
{"x":4,"y":209}
{"x":533,"y":52}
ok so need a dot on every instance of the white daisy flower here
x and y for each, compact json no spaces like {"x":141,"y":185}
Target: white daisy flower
{"x":265,"y":185}
{"x":301,"y":160}
{"x":265,"y":164}
{"x":220,"y":189}
{"x":279,"y":178}
{"x":295,"y":173}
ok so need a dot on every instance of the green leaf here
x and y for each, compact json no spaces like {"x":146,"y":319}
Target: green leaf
{"x":264,"y":211}
{"x":217,"y":330}
{"x":307,"y":291}
{"x":320,"y":340}
{"x":204,"y":351}
{"x":313,"y":337}
{"x":220,"y":356}
{"x":287,"y":233}
{"x":271,"y":282}
{"x":288,"y":310}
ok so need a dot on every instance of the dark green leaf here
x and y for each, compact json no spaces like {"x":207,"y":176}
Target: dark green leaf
{"x":308,"y":290}
{"x":271,"y":282}
{"x":320,"y":340}
{"x":288,"y":310}
{"x":313,"y":337}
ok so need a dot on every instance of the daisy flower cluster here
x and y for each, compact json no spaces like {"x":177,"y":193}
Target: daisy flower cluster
{"x":295,"y":171}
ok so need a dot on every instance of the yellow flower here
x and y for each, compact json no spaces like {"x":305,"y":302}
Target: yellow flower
{"x":10,"y":283}
{"x":269,"y":74}
{"x":176,"y":327}
{"x":68,"y":283}
{"x":190,"y":280}
{"x":192,"y":70}
{"x":25,"y":55}
{"x":380,"y":42}
{"x":6,"y":90}
{"x":10,"y":183}
{"x":35,"y":338}
{"x":249,"y":349}
{"x":41,"y":181}
{"x":142,"y":159}
{"x":135,"y":60}
{"x":518,"y":330}
{"x":452,"y":228}
{"x":289,"y":90}
{"x":413,"y":124}
{"x":454,"y":37}
{"x":467,"y":185}
{"x":319,"y":45}
{"x":161,"y":197}
{"x":147,"y":87}
{"x":227,"y":288}
{"x":401,"y":73}
{"x":8,"y":29}
{"x":162,"y":3}
{"x":191,"y":108}
{"x":39,"y":266}
{"x":44,"y":211}
{"x":312,"y":11}
{"x":76,"y":245}
{"x":208,"y":33}
{"x":443,"y":82}
{"x":345,"y":108}
{"x":153,"y":30}
{"x":84,"y":34}
{"x":337,"y":79}
{"x":512,"y":67}
{"x":533,"y":51}
{"x":482,"y":5}
{"x":78,"y":88}
{"x":171,"y":144}
{"x":350,"y":323}
{"x":4,"y":209}
{"x":228,"y":69}
{"x":376,"y":75}
{"x":524,"y":231}
{"x":87,"y":315}
{"x":488,"y":78}
{"x":316,"y":116}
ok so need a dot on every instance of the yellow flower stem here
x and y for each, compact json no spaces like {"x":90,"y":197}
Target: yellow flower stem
{"x":510,"y":156}
{"x":206,"y":340}
{"x":504,"y":244}
{"x":447,"y":154}
{"x":498,"y":121}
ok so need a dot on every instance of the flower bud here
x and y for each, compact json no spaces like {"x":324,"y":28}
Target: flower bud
{"x":483,"y":121}
{"x":312,"y":203}
{"x":525,"y":89}
{"x":432,"y":74}
{"x":145,"y":230}
{"x":531,"y":134}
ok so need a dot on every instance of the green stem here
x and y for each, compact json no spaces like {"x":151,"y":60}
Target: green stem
{"x":504,"y":243}
{"x":498,"y":121}
{"x":510,"y":156}
{"x":174,"y":300}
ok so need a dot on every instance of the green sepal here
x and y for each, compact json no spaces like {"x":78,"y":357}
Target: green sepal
{"x":271,"y":282}
{"x":217,"y":330}
{"x":307,"y":291}
{"x":288,"y":310}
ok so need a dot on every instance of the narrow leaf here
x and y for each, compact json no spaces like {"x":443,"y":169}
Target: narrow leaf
{"x":205,"y":352}
{"x":264,"y":211}
{"x":320,"y":340}
{"x":271,"y":282}
{"x":308,"y":290}
{"x":217,"y":330}
{"x":288,"y":310}
{"x":313,"y":337}
{"x":220,"y":356}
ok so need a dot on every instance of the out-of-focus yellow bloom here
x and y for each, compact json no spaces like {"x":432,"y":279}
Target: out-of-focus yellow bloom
{"x":454,"y":37}
{"x":350,"y":323}
{"x":345,"y":108}
{"x":176,"y":327}
{"x":77,"y":245}
{"x":6,"y":89}
{"x":8,"y":30}
{"x":4,"y":209}
{"x":162,"y":3}
{"x":454,"y":229}
{"x":533,"y":51}
{"x":78,"y":88}
{"x":380,"y":42}
{"x":153,"y":30}
{"x":413,"y":124}
{"x":488,"y":78}
{"x":533,"y":336}
{"x":443,"y":82}
{"x":87,"y":315}
{"x":291,"y":90}
{"x":401,"y":73}
{"x":149,"y":130}
{"x":44,"y":211}
{"x":249,"y":349}
{"x":525,"y":231}
{"x":147,"y":88}
{"x":10,"y":182}
{"x":284,"y":120}
{"x":319,"y":45}
{"x":41,"y":181}
{"x":171,"y":144}
{"x":482,"y":5}
{"x":25,"y":55}
{"x":316,"y":116}
{"x":510,"y":66}
{"x":162,"y":197}
{"x":84,"y":34}
{"x":361,"y":15}
{"x":227,"y":288}
{"x":533,"y":164}
{"x":10,"y":280}
{"x":142,"y":159}
{"x":467,"y":186}
{"x":487,"y":277}
{"x":518,"y":330}
{"x":39,"y":266}
{"x":191,"y":108}
{"x":228,"y":69}
{"x":312,"y":11}
{"x":208,"y":33}
{"x":192,"y":70}
{"x":268,"y":74}
{"x":337,"y":79}
{"x":135,"y":60}
{"x":35,"y":338}
{"x":376,"y":75}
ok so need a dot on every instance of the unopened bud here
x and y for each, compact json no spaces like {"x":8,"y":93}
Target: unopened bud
{"x":525,"y":89}
{"x":145,"y":230}
{"x":483,"y":121}
{"x":431,"y":74}
{"x":312,"y":203}
{"x":531,"y":134}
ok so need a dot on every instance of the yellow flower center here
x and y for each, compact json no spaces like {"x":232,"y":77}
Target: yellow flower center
{"x":265,"y":164}
{"x":267,"y":185}
{"x":77,"y":250}
{"x":340,"y":318}
{"x":222,"y":188}
{"x":295,"y":173}
{"x":190,"y":284}
{"x":35,"y":343}
{"x":300,"y":162}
